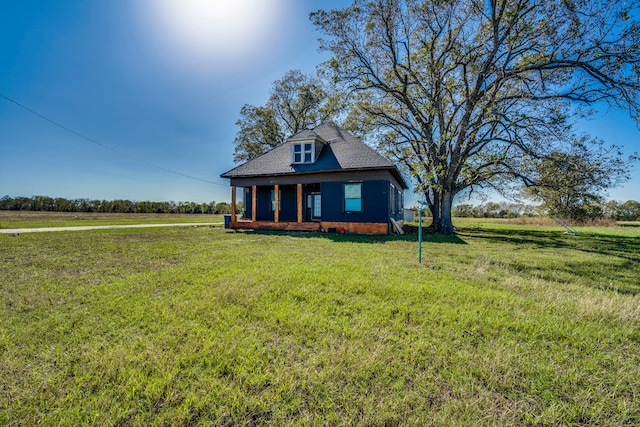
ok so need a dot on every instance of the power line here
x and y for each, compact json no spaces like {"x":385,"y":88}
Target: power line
{"x":106,"y":147}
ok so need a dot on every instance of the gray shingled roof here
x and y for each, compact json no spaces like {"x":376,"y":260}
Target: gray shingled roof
{"x":343,"y":152}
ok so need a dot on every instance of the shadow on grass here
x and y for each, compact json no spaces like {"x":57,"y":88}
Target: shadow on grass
{"x":364,"y":238}
{"x":622,"y":262}
{"x":626,"y":247}
{"x":616,"y":268}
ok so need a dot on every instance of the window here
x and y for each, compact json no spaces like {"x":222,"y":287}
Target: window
{"x":317,"y":211}
{"x":314,"y":206}
{"x":353,"y":197}
{"x":297,"y":153}
{"x":303,"y":153}
{"x":392,"y":199}
{"x":273,"y":200}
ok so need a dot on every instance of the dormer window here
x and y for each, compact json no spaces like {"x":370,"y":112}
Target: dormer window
{"x":303,"y":152}
{"x":306,"y":148}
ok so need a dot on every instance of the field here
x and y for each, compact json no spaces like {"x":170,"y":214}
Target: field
{"x":502,"y":324}
{"x":17,"y":219}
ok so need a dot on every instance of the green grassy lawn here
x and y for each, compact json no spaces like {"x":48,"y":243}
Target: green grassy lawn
{"x":26,"y":219}
{"x":500,"y":325}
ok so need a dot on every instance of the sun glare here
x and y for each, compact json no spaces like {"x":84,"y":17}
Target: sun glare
{"x":215,"y":31}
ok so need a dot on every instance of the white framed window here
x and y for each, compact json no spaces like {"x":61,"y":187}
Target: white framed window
{"x":352,"y":197}
{"x":303,"y":152}
{"x":314,"y":206}
{"x":317,"y":210}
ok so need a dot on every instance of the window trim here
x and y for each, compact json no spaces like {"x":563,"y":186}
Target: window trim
{"x":344,"y":197}
{"x":316,"y":208}
{"x":303,"y":152}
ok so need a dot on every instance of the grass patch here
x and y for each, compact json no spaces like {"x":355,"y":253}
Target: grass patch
{"x":500,"y":325}
{"x":27,"y":219}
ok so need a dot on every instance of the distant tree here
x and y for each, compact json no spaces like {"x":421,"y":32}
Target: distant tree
{"x":59,"y":204}
{"x":468,"y":93}
{"x":259,"y":132}
{"x":296,"y":102}
{"x":43,"y":203}
{"x":223,"y":208}
{"x":464,"y":210}
{"x":63,"y":205}
{"x":610,"y":209}
{"x":494,"y":210}
{"x":22,"y":204}
{"x":628,"y":211}
{"x":571,"y":184}
{"x":5,"y":203}
{"x":239,"y":207}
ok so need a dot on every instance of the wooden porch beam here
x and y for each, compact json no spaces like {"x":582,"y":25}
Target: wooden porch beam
{"x":299,"y":199}
{"x":233,"y":203}
{"x":254,"y":202}
{"x":276,"y":200}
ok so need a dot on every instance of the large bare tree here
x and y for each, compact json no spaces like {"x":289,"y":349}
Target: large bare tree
{"x":467,"y":93}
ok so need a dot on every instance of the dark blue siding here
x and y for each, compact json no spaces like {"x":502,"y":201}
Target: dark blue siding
{"x":288,"y":204}
{"x":264,"y":212}
{"x":375,"y":202}
{"x":247,"y":203}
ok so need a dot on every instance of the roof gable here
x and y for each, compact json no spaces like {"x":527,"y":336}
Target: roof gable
{"x":342,"y":152}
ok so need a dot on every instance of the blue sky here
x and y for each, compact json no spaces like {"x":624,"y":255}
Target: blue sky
{"x":156,"y":82}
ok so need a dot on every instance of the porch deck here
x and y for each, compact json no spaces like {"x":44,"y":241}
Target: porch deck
{"x":311,"y":226}
{"x":275,"y":226}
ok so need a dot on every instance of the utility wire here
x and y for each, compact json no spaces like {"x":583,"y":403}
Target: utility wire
{"x":106,"y":147}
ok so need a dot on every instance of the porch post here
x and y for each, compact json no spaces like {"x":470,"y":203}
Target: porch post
{"x":299,"y":198}
{"x":254,"y":202}
{"x":233,"y":203}
{"x":276,"y":200}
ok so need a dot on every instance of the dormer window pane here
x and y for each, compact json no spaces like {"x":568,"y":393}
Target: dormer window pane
{"x":303,"y":153}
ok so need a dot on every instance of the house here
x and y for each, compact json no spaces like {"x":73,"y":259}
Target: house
{"x":319,"y":179}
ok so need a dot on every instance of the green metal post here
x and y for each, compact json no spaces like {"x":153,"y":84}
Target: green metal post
{"x":420,"y":235}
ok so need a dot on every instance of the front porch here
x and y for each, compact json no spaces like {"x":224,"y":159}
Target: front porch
{"x":293,"y":207}
{"x":278,"y":207}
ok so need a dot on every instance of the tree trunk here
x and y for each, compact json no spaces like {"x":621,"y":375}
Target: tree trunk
{"x":442,"y":213}
{"x":446,"y":224}
{"x":434,"y":207}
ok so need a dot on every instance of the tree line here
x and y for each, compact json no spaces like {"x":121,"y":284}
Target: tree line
{"x":615,"y":210}
{"x":60,"y":204}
